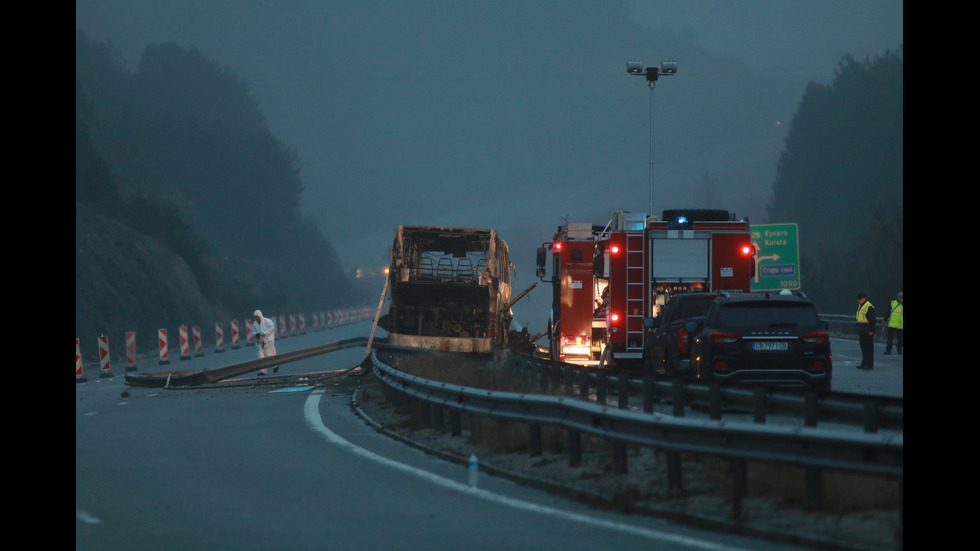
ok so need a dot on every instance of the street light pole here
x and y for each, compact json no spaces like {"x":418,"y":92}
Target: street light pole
{"x":666,"y":68}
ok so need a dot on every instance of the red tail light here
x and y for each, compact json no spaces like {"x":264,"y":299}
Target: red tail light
{"x":817,"y":337}
{"x":720,"y":337}
{"x":682,"y":341}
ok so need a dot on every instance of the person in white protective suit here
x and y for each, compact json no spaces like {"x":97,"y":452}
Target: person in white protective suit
{"x":264,"y":331}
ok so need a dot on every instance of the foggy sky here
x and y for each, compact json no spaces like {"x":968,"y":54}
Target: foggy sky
{"x":514,"y":115}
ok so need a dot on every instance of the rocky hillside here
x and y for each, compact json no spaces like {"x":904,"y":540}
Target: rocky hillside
{"x":125,"y":282}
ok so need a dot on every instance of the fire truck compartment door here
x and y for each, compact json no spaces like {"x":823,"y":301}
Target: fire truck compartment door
{"x":676,"y":259}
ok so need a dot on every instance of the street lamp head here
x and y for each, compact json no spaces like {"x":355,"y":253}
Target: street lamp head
{"x":666,"y":68}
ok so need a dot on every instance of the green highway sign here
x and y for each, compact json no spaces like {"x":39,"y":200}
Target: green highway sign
{"x":777,"y":257}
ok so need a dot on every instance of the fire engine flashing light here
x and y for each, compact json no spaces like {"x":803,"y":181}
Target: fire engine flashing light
{"x":614,"y":317}
{"x":746,"y":250}
{"x":557,"y":246}
{"x":614,"y":249}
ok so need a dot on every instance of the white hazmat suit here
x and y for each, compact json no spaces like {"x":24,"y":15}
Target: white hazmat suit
{"x":264,"y":331}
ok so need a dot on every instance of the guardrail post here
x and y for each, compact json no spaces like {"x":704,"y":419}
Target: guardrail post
{"x":871,"y":420}
{"x":675,"y":478}
{"x":520,"y":366}
{"x":761,"y":404}
{"x":814,"y":488}
{"x":678,"y":397}
{"x":623,"y":390}
{"x":810,"y":408}
{"x":455,"y":424}
{"x":714,"y":400}
{"x":574,"y":448}
{"x":476,"y":428}
{"x":739,"y":486}
{"x":437,"y":418}
{"x":648,"y":386}
{"x":619,"y":456}
{"x":584,"y":382}
{"x":600,"y":387}
{"x":534,"y":441}
{"x":425,"y":413}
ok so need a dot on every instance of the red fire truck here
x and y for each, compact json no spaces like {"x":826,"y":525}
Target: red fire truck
{"x":607,"y":278}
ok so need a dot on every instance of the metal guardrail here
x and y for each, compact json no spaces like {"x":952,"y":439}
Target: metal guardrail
{"x":552,"y":377}
{"x":814,"y":449}
{"x":875,"y":453}
{"x":842,"y":325}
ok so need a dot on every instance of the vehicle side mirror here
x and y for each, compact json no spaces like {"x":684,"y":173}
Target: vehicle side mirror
{"x":692,"y":327}
{"x":649,"y":323}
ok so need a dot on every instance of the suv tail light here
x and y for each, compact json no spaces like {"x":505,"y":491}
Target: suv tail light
{"x":683,"y":341}
{"x":721,"y":337}
{"x":818,"y":365}
{"x":817,"y":337}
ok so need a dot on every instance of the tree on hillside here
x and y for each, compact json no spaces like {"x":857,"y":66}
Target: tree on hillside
{"x":184,"y":132}
{"x":840,"y":177}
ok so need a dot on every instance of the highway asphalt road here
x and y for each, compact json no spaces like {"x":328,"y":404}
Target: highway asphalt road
{"x":249,"y":468}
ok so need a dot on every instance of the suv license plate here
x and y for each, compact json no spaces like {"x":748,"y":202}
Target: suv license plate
{"x":770,"y":346}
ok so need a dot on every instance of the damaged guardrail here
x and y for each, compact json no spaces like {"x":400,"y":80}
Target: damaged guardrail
{"x":207,"y":376}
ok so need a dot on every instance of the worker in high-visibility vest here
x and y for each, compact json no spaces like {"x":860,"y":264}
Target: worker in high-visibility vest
{"x":895,"y":321}
{"x":865,"y":325}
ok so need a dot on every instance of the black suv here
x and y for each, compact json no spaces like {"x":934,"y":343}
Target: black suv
{"x":770,"y":338}
{"x":666,"y":351}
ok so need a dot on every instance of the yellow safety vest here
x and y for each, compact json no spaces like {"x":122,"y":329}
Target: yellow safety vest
{"x":897,"y":317}
{"x":862,"y":313}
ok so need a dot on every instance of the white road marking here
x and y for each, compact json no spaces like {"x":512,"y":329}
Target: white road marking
{"x":312,"y":411}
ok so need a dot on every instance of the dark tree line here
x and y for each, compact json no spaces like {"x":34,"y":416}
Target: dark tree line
{"x":840,"y":177}
{"x":179,"y":150}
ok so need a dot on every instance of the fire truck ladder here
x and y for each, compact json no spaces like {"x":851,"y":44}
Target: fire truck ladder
{"x":636,"y":289}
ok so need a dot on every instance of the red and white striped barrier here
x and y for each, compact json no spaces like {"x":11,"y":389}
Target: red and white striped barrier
{"x":234,"y":334}
{"x":105,"y":370}
{"x":329,"y":318}
{"x":282,"y":326}
{"x":185,"y":343}
{"x":316,"y":322}
{"x":292,"y":324}
{"x":219,"y":337}
{"x":198,"y":345}
{"x":302,"y":324}
{"x":130,"y":351}
{"x":249,"y":337}
{"x":79,"y":375}
{"x":162,"y":345}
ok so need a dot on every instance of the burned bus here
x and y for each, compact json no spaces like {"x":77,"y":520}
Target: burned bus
{"x":450,"y":289}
